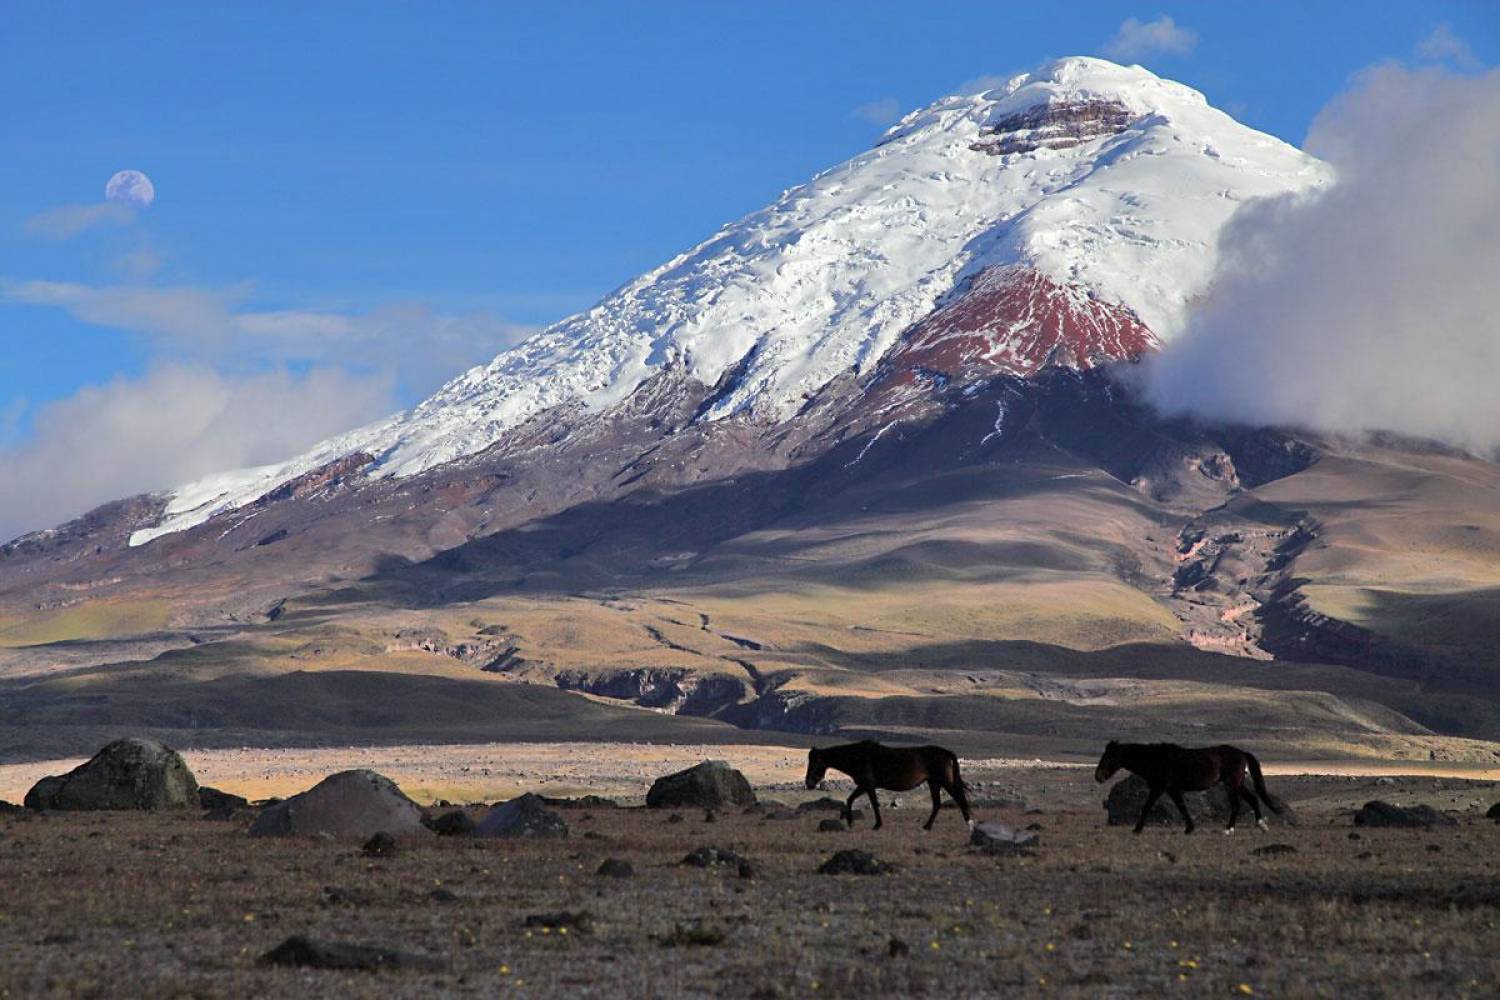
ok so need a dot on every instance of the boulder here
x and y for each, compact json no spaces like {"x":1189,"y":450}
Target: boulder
{"x":527,"y":817}
{"x":10,"y":808}
{"x":1385,"y":814}
{"x":126,"y":774}
{"x":1494,"y":812}
{"x":353,"y":804}
{"x":831,"y":826}
{"x":214,"y":800}
{"x":455,"y":823}
{"x":997,"y":838}
{"x":615,"y":868}
{"x":1125,"y":799}
{"x":713,"y":784}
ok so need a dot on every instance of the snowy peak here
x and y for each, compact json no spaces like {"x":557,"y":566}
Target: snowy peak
{"x":1080,"y":204}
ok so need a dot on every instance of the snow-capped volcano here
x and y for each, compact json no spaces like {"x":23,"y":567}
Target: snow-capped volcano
{"x":1067,"y":217}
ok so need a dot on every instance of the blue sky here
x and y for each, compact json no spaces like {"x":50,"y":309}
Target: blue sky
{"x":390,"y":191}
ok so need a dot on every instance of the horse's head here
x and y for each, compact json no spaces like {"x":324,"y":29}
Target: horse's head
{"x":817,"y":768}
{"x":1109,"y":763}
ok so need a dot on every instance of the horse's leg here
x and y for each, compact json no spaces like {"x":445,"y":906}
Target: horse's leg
{"x":1249,"y":797}
{"x":937,"y":802}
{"x":962,"y":798}
{"x":849,"y":805}
{"x":1155,"y":794}
{"x":1182,"y":808}
{"x":875,"y":805}
{"x":1234,"y":805}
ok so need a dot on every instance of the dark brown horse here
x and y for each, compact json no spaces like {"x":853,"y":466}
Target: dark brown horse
{"x":896,"y":769}
{"x":1172,"y":769}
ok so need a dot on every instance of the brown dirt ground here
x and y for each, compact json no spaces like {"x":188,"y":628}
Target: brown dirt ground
{"x":176,"y":905}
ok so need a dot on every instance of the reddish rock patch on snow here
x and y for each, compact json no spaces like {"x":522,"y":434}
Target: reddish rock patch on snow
{"x":1017,"y":321}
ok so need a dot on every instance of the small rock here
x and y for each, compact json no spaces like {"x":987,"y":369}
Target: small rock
{"x":897,"y":948}
{"x":1275,"y":850}
{"x":710,"y":817}
{"x":826,"y":804}
{"x":441,"y":895}
{"x":216,"y":801}
{"x":693,"y":935}
{"x":10,"y":808}
{"x":997,"y":838}
{"x":831,"y":826}
{"x":309,"y":953}
{"x":674,"y":818}
{"x":382,"y":845}
{"x":615,"y":868}
{"x":746,"y":869}
{"x":711,"y":857}
{"x":855,"y":862}
{"x":1494,"y":812}
{"x":582,"y":921}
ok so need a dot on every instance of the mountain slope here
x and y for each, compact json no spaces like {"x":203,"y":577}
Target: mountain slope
{"x":1085,"y":182}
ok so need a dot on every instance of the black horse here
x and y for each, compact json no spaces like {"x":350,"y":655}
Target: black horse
{"x":897,"y":769}
{"x":1172,"y":769}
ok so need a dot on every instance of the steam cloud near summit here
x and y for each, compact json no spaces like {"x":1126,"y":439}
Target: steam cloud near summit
{"x":1374,"y":305}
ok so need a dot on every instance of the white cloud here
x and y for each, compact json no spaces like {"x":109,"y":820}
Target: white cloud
{"x":1138,"y":39}
{"x":420,"y":347}
{"x":67,"y":221}
{"x":1375,"y":306}
{"x":1445,"y":46}
{"x":881,"y":112}
{"x":175,"y":424}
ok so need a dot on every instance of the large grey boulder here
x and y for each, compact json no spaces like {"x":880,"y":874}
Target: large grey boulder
{"x":126,"y":774}
{"x":1125,"y":799}
{"x":997,"y":838}
{"x":712,"y":784}
{"x":353,"y":804}
{"x":1418,"y":817}
{"x":524,"y":817}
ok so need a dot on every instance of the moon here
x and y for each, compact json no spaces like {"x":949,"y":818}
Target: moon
{"x":130,"y":187}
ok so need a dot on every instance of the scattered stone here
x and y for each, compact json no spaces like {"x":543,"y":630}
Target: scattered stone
{"x":897,"y":948}
{"x":997,"y":838}
{"x":334,"y":895}
{"x":779,"y":815}
{"x":1385,"y":781}
{"x":615,"y":868}
{"x":1125,"y":799}
{"x":831,"y":826}
{"x":712,"y":784}
{"x":524,"y":817}
{"x":382,"y":845}
{"x":215,"y":801}
{"x":1274,"y":850}
{"x":349,"y":804}
{"x":309,"y":953}
{"x":712,"y":857}
{"x":826,"y":804}
{"x":745,"y":869}
{"x":675,"y":818}
{"x":441,"y":895}
{"x":581,"y":921}
{"x":854,"y":862}
{"x":456,"y":823}
{"x":126,"y":774}
{"x":710,"y":817}
{"x":1494,"y":812}
{"x":694,"y":935}
{"x":581,"y":802}
{"x":1384,"y":814}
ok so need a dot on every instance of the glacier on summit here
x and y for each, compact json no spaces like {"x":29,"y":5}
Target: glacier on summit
{"x":1103,"y":179}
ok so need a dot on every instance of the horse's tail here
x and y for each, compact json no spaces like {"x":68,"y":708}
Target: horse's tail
{"x":958,"y":779}
{"x":1260,"y":783}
